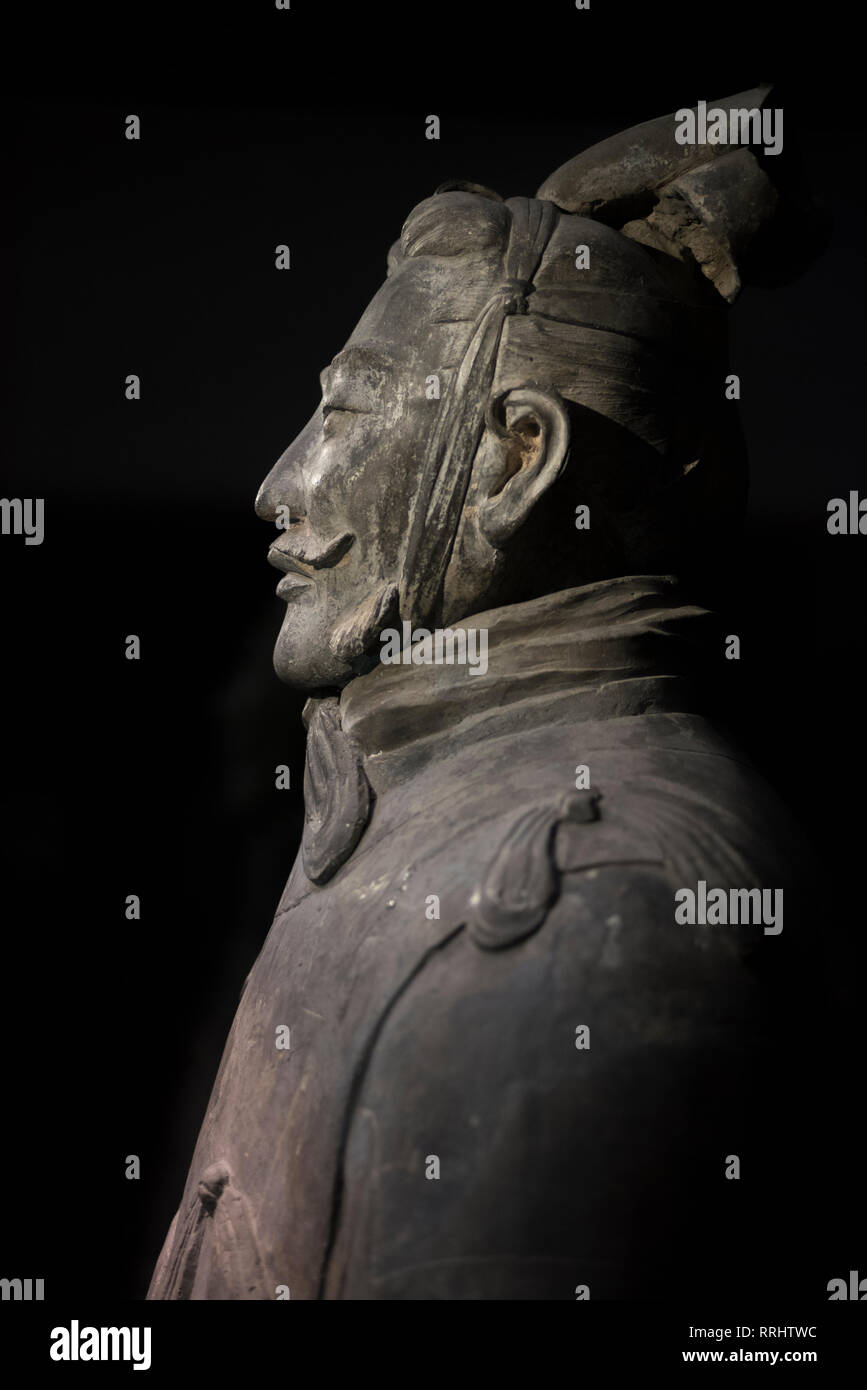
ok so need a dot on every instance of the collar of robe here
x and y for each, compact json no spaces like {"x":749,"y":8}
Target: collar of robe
{"x":617,"y":648}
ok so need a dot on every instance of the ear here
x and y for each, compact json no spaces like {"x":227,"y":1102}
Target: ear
{"x":528,"y":443}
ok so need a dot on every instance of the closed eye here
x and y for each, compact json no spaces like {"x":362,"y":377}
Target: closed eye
{"x":329,"y":409}
{"x":336,"y":406}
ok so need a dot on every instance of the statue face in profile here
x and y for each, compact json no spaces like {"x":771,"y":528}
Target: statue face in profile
{"x":346,"y":490}
{"x":343,"y":481}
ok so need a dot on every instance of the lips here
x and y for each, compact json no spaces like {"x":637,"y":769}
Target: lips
{"x":305,"y":555}
{"x":291,"y":584}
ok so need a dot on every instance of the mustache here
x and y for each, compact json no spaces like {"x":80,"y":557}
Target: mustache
{"x":309,"y":551}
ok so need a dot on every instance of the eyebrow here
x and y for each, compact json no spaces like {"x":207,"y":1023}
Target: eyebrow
{"x":358,"y":357}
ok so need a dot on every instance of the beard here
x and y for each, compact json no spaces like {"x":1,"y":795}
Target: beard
{"x":354,"y":639}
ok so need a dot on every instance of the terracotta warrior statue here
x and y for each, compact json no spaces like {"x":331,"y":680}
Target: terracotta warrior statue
{"x":508,"y":1034}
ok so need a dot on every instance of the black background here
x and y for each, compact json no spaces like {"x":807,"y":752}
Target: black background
{"x":157,"y":777}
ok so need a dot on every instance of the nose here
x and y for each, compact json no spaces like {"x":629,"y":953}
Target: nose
{"x":284,"y":485}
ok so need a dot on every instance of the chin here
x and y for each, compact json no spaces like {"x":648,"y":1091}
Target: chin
{"x":308,"y":667}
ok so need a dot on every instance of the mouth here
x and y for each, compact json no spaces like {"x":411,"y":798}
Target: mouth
{"x":305,"y":556}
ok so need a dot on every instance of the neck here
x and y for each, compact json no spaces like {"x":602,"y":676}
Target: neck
{"x":618,"y":648}
{"x":603,"y":649}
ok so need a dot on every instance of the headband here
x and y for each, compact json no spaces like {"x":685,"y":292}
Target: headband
{"x":451,"y":447}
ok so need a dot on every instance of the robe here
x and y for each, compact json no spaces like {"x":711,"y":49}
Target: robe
{"x":511,"y":1073}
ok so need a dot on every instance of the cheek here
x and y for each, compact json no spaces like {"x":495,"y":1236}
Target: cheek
{"x":366,"y":475}
{"x":322,"y":472}
{"x":341,"y":464}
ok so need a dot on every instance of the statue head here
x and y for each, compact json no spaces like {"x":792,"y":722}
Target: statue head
{"x":524,"y":359}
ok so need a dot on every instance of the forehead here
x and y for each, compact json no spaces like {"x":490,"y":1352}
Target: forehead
{"x":423,"y":313}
